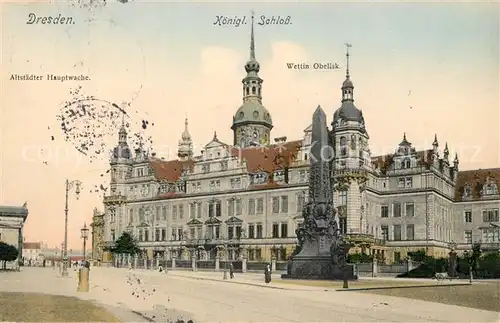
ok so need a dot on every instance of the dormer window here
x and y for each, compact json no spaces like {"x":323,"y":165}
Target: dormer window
{"x":467,"y":190}
{"x":279,"y":176}
{"x":406,"y":163}
{"x":490,"y":188}
{"x":259,"y":178}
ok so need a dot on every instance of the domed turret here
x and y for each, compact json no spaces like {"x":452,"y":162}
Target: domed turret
{"x":252,"y":122}
{"x":348,"y":111}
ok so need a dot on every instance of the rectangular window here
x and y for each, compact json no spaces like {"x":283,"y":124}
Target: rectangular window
{"x":385,"y":232}
{"x":158,"y":213}
{"x":276,"y":228}
{"x":251,"y":231}
{"x":468,"y":236}
{"x":396,"y":209}
{"x":276,"y":204}
{"x":163,"y":234}
{"x":284,"y":204}
{"x":157,"y":235}
{"x":198,"y":210}
{"x":239,"y":207}
{"x":251,"y":206}
{"x":260,"y":205}
{"x":180,"y":234}
{"x":342,"y":198}
{"x":490,"y":235}
{"x":401,"y":182}
{"x":230,"y":232}
{"x":410,"y":209}
{"x":384,"y":211}
{"x":238,"y":231}
{"x":230,"y":207}
{"x":468,"y":216}
{"x":300,"y":202}
{"x":284,"y":230}
{"x":217,"y":208}
{"x":174,"y":234}
{"x":140,"y":172}
{"x":192,"y":210}
{"x":141,"y":235}
{"x":146,"y":235}
{"x":164,"y":212}
{"x":410,"y":232}
{"x":174,"y":213}
{"x":490,"y":215}
{"x":181,"y":211}
{"x":397,"y":232}
{"x":113,"y":237}
{"x":251,"y":254}
{"x":259,"y":231}
{"x":409,"y":182}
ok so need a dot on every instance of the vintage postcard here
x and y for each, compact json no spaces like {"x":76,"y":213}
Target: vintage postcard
{"x":224,"y":161}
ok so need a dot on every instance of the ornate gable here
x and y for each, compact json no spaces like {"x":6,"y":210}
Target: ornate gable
{"x":193,"y":222}
{"x":467,"y":191}
{"x":234,"y":220}
{"x":213,"y":220}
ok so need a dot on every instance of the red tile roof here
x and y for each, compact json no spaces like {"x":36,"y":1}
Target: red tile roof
{"x":268,"y":158}
{"x":476,"y":179}
{"x":258,"y":159}
{"x":170,"y":170}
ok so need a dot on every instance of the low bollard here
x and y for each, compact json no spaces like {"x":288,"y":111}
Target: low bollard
{"x":83,"y":280}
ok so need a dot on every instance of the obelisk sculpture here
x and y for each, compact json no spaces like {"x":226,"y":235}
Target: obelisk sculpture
{"x":318,"y":236}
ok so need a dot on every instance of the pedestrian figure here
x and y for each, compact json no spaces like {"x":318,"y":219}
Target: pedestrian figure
{"x":231,"y":270}
{"x":267,"y":274}
{"x":160,"y":269}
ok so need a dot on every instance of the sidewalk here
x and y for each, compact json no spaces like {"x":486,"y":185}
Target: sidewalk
{"x":251,"y":279}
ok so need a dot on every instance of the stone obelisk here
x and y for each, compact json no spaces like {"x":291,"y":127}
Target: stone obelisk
{"x":321,"y":246}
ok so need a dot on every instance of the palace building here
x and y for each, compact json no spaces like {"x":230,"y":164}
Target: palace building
{"x":248,"y":195}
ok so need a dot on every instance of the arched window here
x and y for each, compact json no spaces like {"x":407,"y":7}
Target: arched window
{"x":253,"y":90}
{"x":343,"y":146}
{"x":248,"y":91}
{"x":259,"y":91}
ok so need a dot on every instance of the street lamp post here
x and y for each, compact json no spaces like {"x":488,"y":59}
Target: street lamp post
{"x":225,"y":261}
{"x":85,"y":235}
{"x":69,"y":185}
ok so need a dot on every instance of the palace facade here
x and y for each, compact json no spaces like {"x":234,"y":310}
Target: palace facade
{"x":248,"y":195}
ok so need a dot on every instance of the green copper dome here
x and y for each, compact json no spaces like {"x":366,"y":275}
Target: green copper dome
{"x":252,"y":112}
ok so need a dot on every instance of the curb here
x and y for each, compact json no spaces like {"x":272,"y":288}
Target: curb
{"x":397,"y":287}
{"x":230,"y":281}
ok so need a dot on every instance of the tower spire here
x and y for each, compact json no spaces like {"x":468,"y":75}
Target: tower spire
{"x":347,"y":75}
{"x":252,"y":39}
{"x":347,"y":86}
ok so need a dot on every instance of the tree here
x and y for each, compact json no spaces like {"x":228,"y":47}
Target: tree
{"x":7,"y":253}
{"x":125,"y":244}
{"x":473,"y":256}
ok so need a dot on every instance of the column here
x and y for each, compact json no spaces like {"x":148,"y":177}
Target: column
{"x":374,"y":267}
{"x":129,"y":258}
{"x":244,"y":265}
{"x":20,"y":245}
{"x":136,"y":259}
{"x":193,"y":263}
{"x":217,"y":263}
{"x":157,"y":260}
{"x":173,"y":262}
{"x":145,"y":262}
{"x":273,"y":264}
